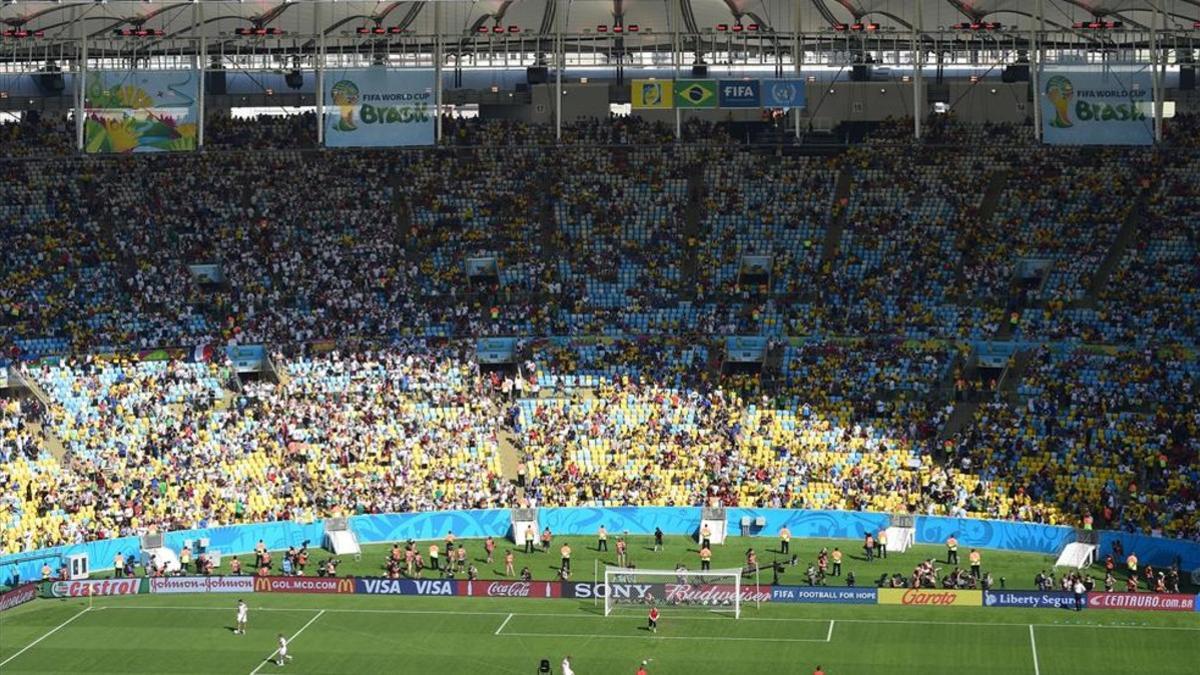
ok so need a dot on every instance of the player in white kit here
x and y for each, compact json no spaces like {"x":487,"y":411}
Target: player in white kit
{"x":282,"y":652}
{"x":566,"y":666}
{"x":242,"y":610}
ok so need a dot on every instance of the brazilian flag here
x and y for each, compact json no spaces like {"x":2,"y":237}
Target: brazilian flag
{"x":696,"y":93}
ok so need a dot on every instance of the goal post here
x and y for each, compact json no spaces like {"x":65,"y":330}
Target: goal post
{"x":709,"y":590}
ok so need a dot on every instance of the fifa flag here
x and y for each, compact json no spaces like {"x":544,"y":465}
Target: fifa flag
{"x":696,"y":93}
{"x":652,"y":94}
{"x":783,"y":93}
{"x":377,"y":107}
{"x":1110,"y":106}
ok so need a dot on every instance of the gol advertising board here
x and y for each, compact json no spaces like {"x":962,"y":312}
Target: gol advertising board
{"x":383,"y":586}
{"x":1159,"y":602}
{"x":202,"y":585}
{"x":1097,"y":107}
{"x":377,"y":107}
{"x":921,"y":597}
{"x":303,"y":585}
{"x":17,"y":596}
{"x":82,"y":588}
{"x":141,"y":111}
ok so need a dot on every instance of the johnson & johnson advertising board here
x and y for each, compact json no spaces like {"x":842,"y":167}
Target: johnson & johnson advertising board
{"x":1160,"y":602}
{"x":202,"y":585}
{"x":510,"y":589}
{"x":921,"y":597}
{"x":83,"y":588}
{"x":303,"y":585}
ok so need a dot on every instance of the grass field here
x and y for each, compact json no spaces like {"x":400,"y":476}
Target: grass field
{"x":1017,"y":568}
{"x":379,"y":634}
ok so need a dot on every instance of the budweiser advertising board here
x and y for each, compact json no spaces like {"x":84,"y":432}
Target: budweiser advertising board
{"x":931,"y":597}
{"x":82,"y":588}
{"x":202,"y":585}
{"x":671,"y":593}
{"x":18,"y":596}
{"x":303,"y":585}
{"x":510,"y":589}
{"x":1160,"y":602}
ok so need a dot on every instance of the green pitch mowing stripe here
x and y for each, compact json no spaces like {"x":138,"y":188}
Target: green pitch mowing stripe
{"x":671,"y":626}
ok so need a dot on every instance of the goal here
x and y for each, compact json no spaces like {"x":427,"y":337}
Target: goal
{"x":710,"y":590}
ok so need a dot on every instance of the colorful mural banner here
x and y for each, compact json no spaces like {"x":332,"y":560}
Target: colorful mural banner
{"x":1113,"y":106}
{"x":740,"y":94}
{"x":377,"y":107}
{"x":141,"y":111}
{"x":783,"y":93}
{"x":652,"y":94}
{"x":696,"y":93}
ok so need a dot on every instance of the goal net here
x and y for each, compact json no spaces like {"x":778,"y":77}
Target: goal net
{"x":639,"y":589}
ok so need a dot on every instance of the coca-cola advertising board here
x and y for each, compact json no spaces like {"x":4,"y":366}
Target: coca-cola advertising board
{"x":510,"y":589}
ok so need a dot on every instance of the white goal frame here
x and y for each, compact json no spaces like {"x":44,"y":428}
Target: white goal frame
{"x":726,"y":599}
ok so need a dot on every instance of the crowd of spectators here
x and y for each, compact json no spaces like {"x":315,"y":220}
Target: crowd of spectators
{"x":621,"y":263}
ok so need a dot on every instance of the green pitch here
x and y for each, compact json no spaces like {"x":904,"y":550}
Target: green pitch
{"x":373,"y":634}
{"x":469,"y":636}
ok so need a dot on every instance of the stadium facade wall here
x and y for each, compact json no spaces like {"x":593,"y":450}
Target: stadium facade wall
{"x":987,"y":534}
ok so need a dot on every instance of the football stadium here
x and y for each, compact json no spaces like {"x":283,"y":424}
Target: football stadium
{"x":600,"y":337}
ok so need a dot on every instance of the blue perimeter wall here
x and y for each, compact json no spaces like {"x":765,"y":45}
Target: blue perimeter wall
{"x":987,"y":534}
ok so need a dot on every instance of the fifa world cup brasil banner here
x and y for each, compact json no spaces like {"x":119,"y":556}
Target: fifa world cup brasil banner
{"x":376,"y":107}
{"x":141,"y":111}
{"x":1113,"y":106}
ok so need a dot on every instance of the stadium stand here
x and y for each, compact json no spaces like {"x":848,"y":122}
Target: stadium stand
{"x":619,"y":266}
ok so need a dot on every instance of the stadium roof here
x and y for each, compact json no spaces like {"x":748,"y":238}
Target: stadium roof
{"x":336,"y":17}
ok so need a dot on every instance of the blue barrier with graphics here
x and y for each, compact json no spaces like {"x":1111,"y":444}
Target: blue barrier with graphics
{"x":986,"y":534}
{"x":1012,"y":536}
{"x":820,"y":594}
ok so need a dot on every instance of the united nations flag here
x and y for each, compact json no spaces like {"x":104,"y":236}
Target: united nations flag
{"x":696,"y":93}
{"x":783,"y":94}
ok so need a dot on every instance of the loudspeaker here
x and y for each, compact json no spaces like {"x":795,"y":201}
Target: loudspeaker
{"x":294,"y":79}
{"x":51,"y":83}
{"x":1018,"y":72}
{"x":1187,"y":78}
{"x":214,"y":82}
{"x":537,"y":74}
{"x":700,"y":71}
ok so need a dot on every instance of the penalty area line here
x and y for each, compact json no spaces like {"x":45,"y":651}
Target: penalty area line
{"x":506,"y":620}
{"x":52,"y":631}
{"x":294,"y":636}
{"x":829,"y":635}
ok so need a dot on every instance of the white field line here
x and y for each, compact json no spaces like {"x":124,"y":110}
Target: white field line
{"x":361,"y":610}
{"x":52,"y":631}
{"x":294,"y":636}
{"x":829,"y":635}
{"x":1033,"y":643}
{"x":506,"y":620}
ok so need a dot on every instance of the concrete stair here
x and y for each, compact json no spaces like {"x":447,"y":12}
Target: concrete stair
{"x":1130,"y":232}
{"x":833,"y":236}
